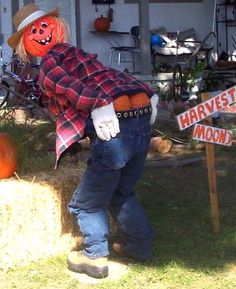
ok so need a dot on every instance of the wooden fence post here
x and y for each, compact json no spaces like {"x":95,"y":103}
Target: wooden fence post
{"x":210,"y":158}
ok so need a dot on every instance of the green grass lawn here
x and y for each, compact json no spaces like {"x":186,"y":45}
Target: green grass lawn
{"x":186,"y":252}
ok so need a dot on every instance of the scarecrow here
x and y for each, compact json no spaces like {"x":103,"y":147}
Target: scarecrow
{"x":112,"y":108}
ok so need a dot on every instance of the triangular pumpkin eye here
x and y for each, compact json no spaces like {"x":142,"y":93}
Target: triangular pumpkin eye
{"x":44,"y":24}
{"x":33,"y":29}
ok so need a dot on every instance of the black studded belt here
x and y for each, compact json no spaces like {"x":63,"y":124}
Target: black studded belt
{"x":134,"y":112}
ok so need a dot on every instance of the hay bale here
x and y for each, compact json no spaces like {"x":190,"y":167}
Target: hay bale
{"x":35,"y":222}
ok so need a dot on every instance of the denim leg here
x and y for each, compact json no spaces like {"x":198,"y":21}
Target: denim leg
{"x":108,"y":184}
{"x":129,"y":215}
{"x":89,"y":203}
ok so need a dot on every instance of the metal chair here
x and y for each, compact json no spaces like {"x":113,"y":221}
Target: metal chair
{"x":120,"y":51}
{"x":181,"y":53}
{"x":184,"y":50}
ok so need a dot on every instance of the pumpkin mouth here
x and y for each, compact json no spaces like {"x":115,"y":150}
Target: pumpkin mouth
{"x":45,"y":41}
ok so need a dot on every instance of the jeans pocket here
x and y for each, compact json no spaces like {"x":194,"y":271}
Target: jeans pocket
{"x":115,"y":153}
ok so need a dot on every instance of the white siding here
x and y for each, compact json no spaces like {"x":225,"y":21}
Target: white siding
{"x":5,"y":27}
{"x":173,"y":16}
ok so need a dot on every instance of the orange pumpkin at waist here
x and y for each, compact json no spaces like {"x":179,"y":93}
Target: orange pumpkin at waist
{"x":128,"y":102}
{"x":139,"y":100}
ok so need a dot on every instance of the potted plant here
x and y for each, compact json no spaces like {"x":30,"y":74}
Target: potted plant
{"x":191,"y":80}
{"x":213,"y":83}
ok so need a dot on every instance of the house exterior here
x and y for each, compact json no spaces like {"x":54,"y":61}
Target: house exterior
{"x":173,"y":15}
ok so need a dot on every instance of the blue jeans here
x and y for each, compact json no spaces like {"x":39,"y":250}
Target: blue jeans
{"x":107,"y":185}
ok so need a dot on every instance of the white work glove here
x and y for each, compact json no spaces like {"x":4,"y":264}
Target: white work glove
{"x":154,"y":102}
{"x":105,"y":122}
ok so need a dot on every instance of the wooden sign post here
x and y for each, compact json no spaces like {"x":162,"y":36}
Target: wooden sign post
{"x":210,"y":158}
{"x":211,"y":136}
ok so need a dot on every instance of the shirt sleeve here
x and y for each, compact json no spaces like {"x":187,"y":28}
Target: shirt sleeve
{"x":55,"y":79}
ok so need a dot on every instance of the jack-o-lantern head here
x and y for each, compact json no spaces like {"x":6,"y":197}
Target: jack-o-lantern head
{"x":42,"y":35}
{"x":37,"y":31}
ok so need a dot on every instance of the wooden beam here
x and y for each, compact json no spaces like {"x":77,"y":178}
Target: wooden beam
{"x":211,"y":168}
{"x":77,"y":23}
{"x":145,"y":59}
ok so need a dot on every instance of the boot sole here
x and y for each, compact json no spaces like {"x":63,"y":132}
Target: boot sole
{"x":91,"y":271}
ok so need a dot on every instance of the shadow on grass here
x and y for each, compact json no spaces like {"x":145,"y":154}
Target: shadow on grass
{"x":178,"y":205}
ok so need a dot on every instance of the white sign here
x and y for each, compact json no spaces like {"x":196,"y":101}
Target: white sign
{"x":212,"y":134}
{"x":206,"y":108}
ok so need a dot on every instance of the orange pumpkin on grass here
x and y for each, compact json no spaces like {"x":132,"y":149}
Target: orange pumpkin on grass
{"x":8,"y":156}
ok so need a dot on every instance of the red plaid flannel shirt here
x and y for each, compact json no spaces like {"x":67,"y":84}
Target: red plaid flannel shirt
{"x":74,"y":83}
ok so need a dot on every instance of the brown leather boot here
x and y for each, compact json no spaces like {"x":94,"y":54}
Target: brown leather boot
{"x":79,"y":263}
{"x":118,"y":249}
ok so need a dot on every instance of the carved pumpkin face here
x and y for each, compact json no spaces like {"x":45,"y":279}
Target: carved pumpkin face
{"x":42,"y":35}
